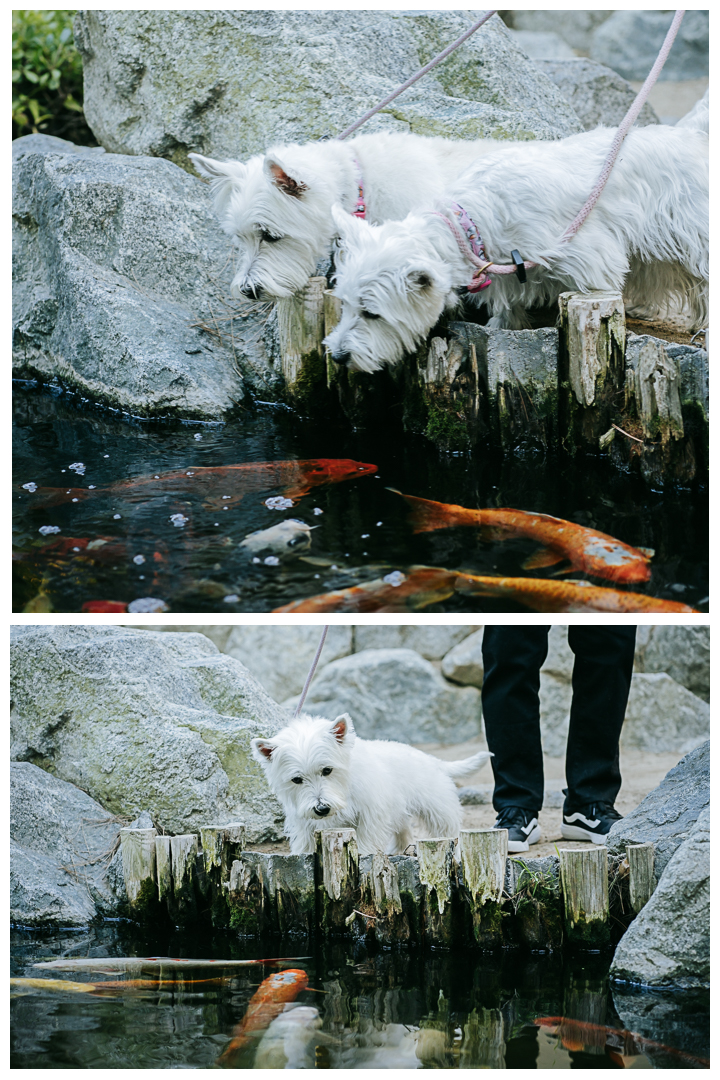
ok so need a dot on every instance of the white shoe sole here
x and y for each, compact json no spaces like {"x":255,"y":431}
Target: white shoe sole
{"x":515,"y":846}
{"x":575,"y":832}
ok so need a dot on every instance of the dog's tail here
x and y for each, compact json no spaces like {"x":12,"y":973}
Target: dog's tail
{"x":457,"y":769}
{"x":699,"y":116}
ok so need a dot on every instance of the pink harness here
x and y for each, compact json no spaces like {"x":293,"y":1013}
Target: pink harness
{"x":359,"y":210}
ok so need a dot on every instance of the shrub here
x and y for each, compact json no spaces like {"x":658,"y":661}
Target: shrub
{"x":47,"y":77}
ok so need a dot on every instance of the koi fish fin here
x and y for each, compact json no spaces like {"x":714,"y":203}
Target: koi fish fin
{"x":649,"y":553}
{"x":543,"y":557}
{"x":428,"y":515}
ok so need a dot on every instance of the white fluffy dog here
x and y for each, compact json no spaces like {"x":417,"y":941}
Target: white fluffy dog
{"x":647,"y":235}
{"x":277,"y":206}
{"x":326,"y":777}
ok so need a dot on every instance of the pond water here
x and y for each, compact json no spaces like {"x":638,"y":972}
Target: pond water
{"x":383,"y":1009}
{"x":174,"y":543}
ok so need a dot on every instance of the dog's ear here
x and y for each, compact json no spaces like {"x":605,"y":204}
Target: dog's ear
{"x":342,"y":728}
{"x":349,"y":227}
{"x":262,"y":749}
{"x":218,"y":170}
{"x":282,"y":179}
{"x":420,"y":281}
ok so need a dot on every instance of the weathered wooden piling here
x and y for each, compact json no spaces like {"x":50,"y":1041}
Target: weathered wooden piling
{"x":379,"y":912}
{"x":483,"y":855}
{"x":338,"y":878}
{"x":184,"y":852}
{"x":139,"y":869}
{"x":533,"y":886}
{"x":163,"y":864}
{"x":221,"y":845}
{"x":641,"y":860}
{"x":436,"y":868}
{"x":301,"y":328}
{"x":591,"y":366}
{"x":584,"y":876}
{"x":246,"y":895}
{"x":290,"y":890}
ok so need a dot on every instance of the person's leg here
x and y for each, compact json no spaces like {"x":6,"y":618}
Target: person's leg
{"x":601,"y":683}
{"x":512,"y":658}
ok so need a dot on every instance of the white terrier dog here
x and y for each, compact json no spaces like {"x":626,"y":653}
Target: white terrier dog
{"x":647,"y":235}
{"x":277,"y":206}
{"x":326,"y":777}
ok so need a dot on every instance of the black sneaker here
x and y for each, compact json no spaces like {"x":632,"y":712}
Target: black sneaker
{"x":593,"y":821}
{"x":522,"y":825}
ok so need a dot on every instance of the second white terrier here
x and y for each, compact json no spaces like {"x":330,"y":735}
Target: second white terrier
{"x":647,"y":236}
{"x":326,"y":777}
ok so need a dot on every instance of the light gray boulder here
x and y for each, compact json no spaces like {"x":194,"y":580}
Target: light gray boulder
{"x":464,"y":663}
{"x":231,"y":83}
{"x":663,"y":717}
{"x":629,"y":41}
{"x":543,"y":45}
{"x":574,"y":27}
{"x":145,"y":721}
{"x":669,"y":812}
{"x":597,"y":94}
{"x":682,"y":651}
{"x":63,"y":846}
{"x":395,"y":694}
{"x":114,"y":259}
{"x":432,"y":642}
{"x":668,"y":944}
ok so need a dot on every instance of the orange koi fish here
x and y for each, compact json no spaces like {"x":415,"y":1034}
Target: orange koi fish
{"x":588,"y":550}
{"x":265,"y":1004}
{"x":222,"y":485}
{"x":621,"y":1045}
{"x":423,"y":585}
{"x":102,"y":607}
{"x":543,"y":595}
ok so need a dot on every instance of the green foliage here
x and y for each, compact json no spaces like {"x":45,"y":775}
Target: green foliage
{"x":47,"y":77}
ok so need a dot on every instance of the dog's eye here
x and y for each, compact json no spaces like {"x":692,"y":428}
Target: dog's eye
{"x":268,"y":237}
{"x":326,"y":772}
{"x":297,"y":779}
{"x":370,"y":314}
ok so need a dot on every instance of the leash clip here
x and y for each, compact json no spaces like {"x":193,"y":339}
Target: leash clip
{"x":519,"y":266}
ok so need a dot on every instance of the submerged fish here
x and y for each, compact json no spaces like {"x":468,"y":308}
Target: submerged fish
{"x":266,"y":1003}
{"x":423,"y":585}
{"x":101,"y":607}
{"x":221,"y":485}
{"x":291,"y":537}
{"x":593,"y":552}
{"x":543,"y":595}
{"x":53,"y":984}
{"x":620,"y":1044}
{"x":291,"y":1039}
{"x":152,"y":963}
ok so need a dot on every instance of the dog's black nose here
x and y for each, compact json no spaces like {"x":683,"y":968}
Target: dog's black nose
{"x":251,"y":292}
{"x":342,"y":358}
{"x":322,"y":809}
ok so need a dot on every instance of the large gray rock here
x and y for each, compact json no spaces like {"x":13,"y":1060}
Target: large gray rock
{"x":629,"y":41}
{"x":668,"y":944}
{"x":432,"y":642}
{"x":597,"y":94}
{"x":114,"y":259}
{"x":464,"y":663}
{"x":543,"y":45}
{"x":64,"y":843}
{"x":663,"y":717}
{"x":230,"y":83}
{"x":575,"y":27}
{"x":667,"y":815}
{"x":144,"y":721}
{"x":682,"y":651}
{"x":395,"y":694}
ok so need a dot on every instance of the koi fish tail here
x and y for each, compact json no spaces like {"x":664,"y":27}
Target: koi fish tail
{"x":428,"y":515}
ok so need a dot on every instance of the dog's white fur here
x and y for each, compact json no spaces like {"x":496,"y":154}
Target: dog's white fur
{"x":374,"y":786}
{"x":288,"y":193}
{"x":647,"y":236}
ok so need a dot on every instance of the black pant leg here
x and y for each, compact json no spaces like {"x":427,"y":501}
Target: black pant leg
{"x":601,"y":684}
{"x":512,"y":658}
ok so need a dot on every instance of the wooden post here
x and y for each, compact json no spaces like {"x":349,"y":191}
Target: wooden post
{"x":290,"y":887}
{"x":436,"y":869}
{"x":163,"y":862}
{"x":221,"y":845}
{"x":584,"y":876}
{"x":483,"y":854}
{"x":301,"y":328}
{"x":246,"y":896}
{"x":184,"y":851}
{"x":139,"y":869}
{"x":338,"y":877}
{"x":641,"y":859}
{"x":533,"y":886}
{"x":591,"y":364}
{"x":382,"y":917}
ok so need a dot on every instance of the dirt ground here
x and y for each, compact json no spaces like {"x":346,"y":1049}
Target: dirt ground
{"x":641,"y":772}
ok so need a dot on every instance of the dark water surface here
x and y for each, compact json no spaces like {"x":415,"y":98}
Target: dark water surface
{"x":363,"y":530}
{"x":399,"y":1009}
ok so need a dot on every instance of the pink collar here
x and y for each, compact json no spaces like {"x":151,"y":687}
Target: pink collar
{"x":474,"y":238}
{"x":359,"y":210}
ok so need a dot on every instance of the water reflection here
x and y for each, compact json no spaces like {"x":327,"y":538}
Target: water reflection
{"x":388,"y":1010}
